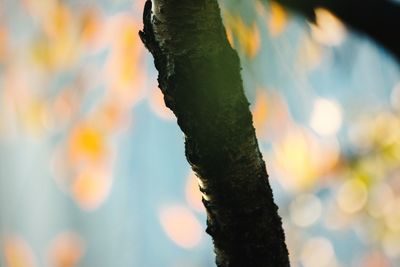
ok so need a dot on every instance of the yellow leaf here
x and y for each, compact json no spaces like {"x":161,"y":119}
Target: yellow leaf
{"x":277,"y":20}
{"x":248,"y":36}
{"x":87,"y":143}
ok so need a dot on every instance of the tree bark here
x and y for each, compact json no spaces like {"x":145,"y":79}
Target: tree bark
{"x":378,"y":19}
{"x":199,"y":75}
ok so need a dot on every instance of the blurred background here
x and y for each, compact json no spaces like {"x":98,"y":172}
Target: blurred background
{"x":92,"y":166}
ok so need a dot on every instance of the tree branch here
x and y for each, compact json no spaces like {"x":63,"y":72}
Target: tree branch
{"x":199,"y":75}
{"x":378,"y":19}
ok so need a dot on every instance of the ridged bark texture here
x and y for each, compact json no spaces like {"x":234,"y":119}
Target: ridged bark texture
{"x":199,"y":75}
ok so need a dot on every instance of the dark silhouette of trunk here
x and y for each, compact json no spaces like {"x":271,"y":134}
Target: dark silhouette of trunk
{"x":199,"y":75}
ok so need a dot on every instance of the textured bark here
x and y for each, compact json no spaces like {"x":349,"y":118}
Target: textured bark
{"x":199,"y":75}
{"x":378,"y":19}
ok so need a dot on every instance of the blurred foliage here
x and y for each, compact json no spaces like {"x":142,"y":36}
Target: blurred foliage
{"x":92,"y":168}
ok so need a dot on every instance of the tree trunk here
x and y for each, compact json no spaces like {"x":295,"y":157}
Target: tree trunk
{"x":199,"y":75}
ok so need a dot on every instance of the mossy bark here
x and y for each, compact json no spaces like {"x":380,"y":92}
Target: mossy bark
{"x":199,"y":75}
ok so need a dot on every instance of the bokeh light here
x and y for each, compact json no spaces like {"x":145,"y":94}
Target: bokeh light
{"x":66,"y":250}
{"x":18,"y":253}
{"x":352,"y":195}
{"x":93,"y":169}
{"x":326,"y":118}
{"x":328,"y":29}
{"x":305,"y":210}
{"x":317,"y":252}
{"x":181,"y":226}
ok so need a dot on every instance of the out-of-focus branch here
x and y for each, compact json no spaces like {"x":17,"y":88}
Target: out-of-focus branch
{"x":378,"y":19}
